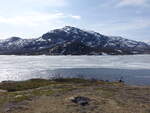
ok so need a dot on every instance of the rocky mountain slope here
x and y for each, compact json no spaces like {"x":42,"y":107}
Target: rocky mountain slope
{"x":72,"y":41}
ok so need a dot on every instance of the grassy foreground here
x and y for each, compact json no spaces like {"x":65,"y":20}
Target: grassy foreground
{"x":53,"y":96}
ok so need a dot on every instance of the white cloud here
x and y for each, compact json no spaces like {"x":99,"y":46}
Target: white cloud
{"x":132,"y":2}
{"x":48,"y":2}
{"x":36,"y":18}
{"x":135,"y":24}
{"x":129,"y":29}
{"x":123,"y":3}
{"x":32,"y":3}
{"x":34,"y":24}
{"x":75,"y":17}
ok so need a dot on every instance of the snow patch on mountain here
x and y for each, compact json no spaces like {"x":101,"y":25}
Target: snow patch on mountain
{"x":61,"y":40}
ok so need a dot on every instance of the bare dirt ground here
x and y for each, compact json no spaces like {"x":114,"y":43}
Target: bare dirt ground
{"x":104,"y":97}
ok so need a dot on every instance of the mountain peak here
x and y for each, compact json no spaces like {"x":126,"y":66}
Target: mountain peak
{"x":78,"y":30}
{"x":69,"y":28}
{"x":14,"y":38}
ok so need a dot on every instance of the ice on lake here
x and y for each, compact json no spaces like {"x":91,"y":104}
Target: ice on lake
{"x":135,"y":69}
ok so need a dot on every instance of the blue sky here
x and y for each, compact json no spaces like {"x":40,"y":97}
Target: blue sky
{"x":32,"y":18}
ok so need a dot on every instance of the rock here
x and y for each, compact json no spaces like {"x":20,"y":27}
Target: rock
{"x":3,"y":91}
{"x":7,"y":110}
{"x":18,"y":96}
{"x":83,"y":101}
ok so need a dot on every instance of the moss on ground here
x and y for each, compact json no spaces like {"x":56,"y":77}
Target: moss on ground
{"x":36,"y":83}
{"x":24,"y":90}
{"x":24,"y":85}
{"x":113,"y":96}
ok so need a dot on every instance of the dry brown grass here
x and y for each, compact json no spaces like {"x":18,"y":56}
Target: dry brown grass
{"x":55,"y":98}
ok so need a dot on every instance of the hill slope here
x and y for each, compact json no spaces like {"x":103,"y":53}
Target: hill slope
{"x":72,"y":41}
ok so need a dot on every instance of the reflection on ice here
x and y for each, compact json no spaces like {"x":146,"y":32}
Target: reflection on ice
{"x":135,"y":69}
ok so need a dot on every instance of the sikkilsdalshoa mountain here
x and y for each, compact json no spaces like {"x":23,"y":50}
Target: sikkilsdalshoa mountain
{"x":72,"y":41}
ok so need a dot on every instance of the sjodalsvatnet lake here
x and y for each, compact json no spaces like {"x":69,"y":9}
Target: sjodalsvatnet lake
{"x":135,"y":69}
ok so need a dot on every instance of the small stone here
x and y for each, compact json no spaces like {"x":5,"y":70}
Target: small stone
{"x":3,"y":91}
{"x":83,"y":101}
{"x":7,"y":110}
{"x":18,"y":96}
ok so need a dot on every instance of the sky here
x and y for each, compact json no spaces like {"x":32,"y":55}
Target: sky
{"x":32,"y":18}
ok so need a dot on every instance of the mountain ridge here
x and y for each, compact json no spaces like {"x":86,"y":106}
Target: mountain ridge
{"x":72,"y":41}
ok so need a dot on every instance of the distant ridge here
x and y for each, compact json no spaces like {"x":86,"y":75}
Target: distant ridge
{"x":72,"y":41}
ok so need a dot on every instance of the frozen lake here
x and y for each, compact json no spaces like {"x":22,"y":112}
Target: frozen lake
{"x":134,"y":69}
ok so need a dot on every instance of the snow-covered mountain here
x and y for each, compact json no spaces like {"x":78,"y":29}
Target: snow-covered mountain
{"x":148,"y":43}
{"x":72,"y":41}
